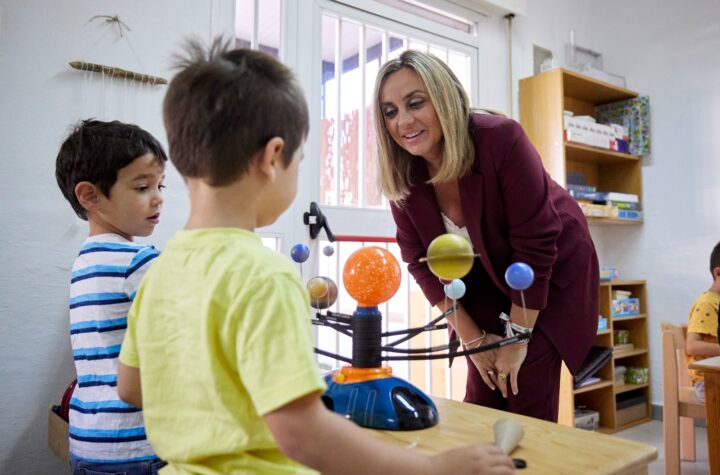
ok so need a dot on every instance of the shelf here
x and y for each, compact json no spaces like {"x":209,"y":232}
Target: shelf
{"x":630,"y":424}
{"x":627,"y":354}
{"x":639,"y":316}
{"x":621,"y":282}
{"x":585,"y":88}
{"x":542,"y":100}
{"x":623,"y":388}
{"x":610,"y":430}
{"x":592,"y":387}
{"x":588,"y":154}
{"x":599,"y":220}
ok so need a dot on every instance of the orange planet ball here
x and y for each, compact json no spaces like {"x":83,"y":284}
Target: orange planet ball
{"x":371,"y":276}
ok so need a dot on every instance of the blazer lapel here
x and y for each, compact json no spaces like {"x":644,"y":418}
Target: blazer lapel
{"x":471,"y":195}
{"x":424,"y":201}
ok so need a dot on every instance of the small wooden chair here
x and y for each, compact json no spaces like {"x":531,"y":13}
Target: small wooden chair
{"x":680,"y":406}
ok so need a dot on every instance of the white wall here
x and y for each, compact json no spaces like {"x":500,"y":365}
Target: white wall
{"x":40,"y":97}
{"x":668,"y":50}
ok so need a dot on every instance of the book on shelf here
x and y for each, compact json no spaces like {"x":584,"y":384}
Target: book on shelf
{"x":627,"y":214}
{"x":624,"y":204}
{"x":581,"y":188}
{"x":596,"y":358}
{"x":589,"y":381}
{"x":587,"y":195}
{"x":617,"y":196}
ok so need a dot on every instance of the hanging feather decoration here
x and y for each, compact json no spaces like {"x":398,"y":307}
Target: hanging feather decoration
{"x":117,"y":72}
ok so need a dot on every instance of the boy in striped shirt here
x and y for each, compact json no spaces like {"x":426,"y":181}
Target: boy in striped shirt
{"x":112,"y":175}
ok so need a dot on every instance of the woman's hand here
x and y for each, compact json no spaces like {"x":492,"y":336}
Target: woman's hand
{"x":485,"y":362}
{"x":508,"y":360}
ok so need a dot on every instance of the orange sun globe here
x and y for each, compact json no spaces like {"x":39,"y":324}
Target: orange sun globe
{"x":371,"y":276}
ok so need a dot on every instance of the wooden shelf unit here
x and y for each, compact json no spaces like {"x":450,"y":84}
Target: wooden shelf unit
{"x":602,"y":396}
{"x":543,"y":98}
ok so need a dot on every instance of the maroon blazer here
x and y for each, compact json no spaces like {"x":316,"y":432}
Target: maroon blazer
{"x":513,"y":212}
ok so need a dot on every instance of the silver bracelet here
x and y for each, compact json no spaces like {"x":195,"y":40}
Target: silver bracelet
{"x":512,"y":329}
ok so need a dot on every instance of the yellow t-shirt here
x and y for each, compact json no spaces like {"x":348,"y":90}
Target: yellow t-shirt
{"x":703,"y":319}
{"x":220,"y":330}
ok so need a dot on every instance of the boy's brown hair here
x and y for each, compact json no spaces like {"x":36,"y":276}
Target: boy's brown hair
{"x":225,"y":105}
{"x":95,"y":151}
{"x":715,"y":258}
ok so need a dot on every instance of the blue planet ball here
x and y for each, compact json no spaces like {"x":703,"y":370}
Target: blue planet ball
{"x":328,"y":250}
{"x":300,"y":253}
{"x":455,"y":289}
{"x":519,"y":276}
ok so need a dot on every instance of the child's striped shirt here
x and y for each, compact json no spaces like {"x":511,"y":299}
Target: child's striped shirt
{"x":105,"y":277}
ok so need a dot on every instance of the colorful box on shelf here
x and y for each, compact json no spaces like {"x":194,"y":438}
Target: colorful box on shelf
{"x":609,"y":273}
{"x":626,"y":214}
{"x":633,"y":114}
{"x":625,"y":307}
{"x":602,"y":323}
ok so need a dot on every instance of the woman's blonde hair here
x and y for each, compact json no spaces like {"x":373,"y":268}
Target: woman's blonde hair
{"x":453,"y":110}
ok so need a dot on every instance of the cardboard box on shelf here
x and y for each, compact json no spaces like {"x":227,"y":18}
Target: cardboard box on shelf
{"x":587,"y":419}
{"x":630,"y":408}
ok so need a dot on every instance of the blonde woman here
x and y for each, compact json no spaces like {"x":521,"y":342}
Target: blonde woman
{"x":447,"y":169}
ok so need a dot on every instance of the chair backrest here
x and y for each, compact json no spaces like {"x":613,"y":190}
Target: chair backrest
{"x":674,"y":349}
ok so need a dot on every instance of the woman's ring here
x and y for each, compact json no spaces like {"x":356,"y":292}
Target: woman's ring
{"x":502,"y":375}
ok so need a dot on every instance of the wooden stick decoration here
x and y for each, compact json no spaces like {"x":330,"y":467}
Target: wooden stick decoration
{"x":117,"y":72}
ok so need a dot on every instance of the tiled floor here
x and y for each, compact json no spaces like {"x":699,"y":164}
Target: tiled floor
{"x":652,"y":433}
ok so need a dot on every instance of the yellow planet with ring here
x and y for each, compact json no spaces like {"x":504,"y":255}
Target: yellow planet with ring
{"x":323,"y":292}
{"x":450,"y":256}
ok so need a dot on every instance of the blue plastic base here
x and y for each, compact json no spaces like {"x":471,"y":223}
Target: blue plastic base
{"x":387,"y":403}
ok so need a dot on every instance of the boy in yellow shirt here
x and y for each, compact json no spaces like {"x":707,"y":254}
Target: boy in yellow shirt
{"x":702,"y":332}
{"x":218,"y":349}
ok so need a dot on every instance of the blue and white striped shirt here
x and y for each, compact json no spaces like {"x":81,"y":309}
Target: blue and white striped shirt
{"x":105,"y":277}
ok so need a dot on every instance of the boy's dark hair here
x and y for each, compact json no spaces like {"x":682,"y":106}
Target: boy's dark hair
{"x":715,"y":258}
{"x":95,"y":151}
{"x":225,"y":105}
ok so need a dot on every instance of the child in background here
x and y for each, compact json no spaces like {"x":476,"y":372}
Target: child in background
{"x":219,"y":349}
{"x":112,"y":174}
{"x":702,"y":332}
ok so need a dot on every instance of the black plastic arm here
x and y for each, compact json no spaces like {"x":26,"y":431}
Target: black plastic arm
{"x":316,"y":220}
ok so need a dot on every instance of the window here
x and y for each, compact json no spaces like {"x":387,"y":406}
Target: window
{"x":352,"y":53}
{"x":258,"y":25}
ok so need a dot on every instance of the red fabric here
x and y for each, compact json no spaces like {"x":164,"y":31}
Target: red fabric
{"x":65,"y":402}
{"x":514,"y":212}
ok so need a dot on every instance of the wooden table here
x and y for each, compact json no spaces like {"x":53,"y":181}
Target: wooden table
{"x":547,"y":448}
{"x":710,"y":368}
